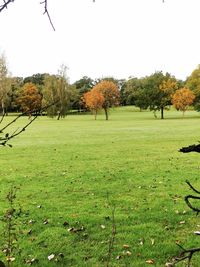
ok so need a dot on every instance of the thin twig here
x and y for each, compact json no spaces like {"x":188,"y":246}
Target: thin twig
{"x":47,"y":12}
{"x":192,"y":197}
{"x":196,"y":191}
{"x":185,"y":254}
{"x":36,"y":113}
{"x":2,"y":117}
{"x":112,"y":238}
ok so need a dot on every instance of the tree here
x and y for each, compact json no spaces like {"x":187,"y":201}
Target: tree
{"x":167,"y":88}
{"x":111,"y":94}
{"x":82,"y":86}
{"x":58,"y":90}
{"x":132,"y":93}
{"x":93,"y":100}
{"x":16,"y":85}
{"x":182,"y":99}
{"x":193,"y":83}
{"x":158,"y":90}
{"x":4,"y":83}
{"x":29,"y":99}
{"x":37,"y":79}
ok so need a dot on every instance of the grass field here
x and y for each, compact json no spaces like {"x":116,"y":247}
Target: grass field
{"x":78,"y":169}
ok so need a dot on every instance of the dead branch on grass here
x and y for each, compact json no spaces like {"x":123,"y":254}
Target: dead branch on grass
{"x":187,"y":254}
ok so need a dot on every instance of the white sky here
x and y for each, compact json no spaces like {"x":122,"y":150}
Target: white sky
{"x":118,"y":38}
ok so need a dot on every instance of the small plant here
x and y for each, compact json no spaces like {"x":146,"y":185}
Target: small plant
{"x":10,"y":231}
{"x":112,"y":237}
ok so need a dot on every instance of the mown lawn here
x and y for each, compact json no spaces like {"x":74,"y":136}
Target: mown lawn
{"x":72,"y":173}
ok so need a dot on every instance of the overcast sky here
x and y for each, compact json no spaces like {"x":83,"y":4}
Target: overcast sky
{"x":118,"y":38}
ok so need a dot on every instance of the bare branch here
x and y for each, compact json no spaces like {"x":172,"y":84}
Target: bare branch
{"x":192,"y":197}
{"x":2,"y":117}
{"x":2,"y":7}
{"x":196,"y":191}
{"x":47,"y":12}
{"x":185,"y":254}
{"x":4,"y":140}
{"x":191,"y":148}
{"x":7,"y":2}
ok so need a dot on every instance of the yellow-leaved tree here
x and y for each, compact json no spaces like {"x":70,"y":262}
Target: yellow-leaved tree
{"x":182,"y":99}
{"x":111,"y":94}
{"x":93,"y":100}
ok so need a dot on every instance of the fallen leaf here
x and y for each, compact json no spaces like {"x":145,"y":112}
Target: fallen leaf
{"x":45,"y":221}
{"x":126,"y":246}
{"x":141,"y":242}
{"x":70,"y":229}
{"x":152,"y":241}
{"x":51,"y":257}
{"x":197,"y":232}
{"x":31,"y":261}
{"x":128,"y":253}
{"x":10,"y":259}
{"x":150,"y":261}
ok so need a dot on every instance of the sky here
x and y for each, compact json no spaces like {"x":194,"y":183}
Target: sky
{"x":118,"y":38}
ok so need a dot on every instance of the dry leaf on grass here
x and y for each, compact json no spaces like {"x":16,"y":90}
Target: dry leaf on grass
{"x":150,"y":261}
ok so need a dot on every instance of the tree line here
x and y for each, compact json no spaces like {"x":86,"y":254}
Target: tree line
{"x":155,"y":92}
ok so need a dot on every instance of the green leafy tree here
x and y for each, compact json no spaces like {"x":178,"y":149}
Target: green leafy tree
{"x":158,"y":91}
{"x":133,"y":93}
{"x":37,"y":79}
{"x":4,"y":84}
{"x":82,"y":86}
{"x":58,"y":90}
{"x":16,"y":86}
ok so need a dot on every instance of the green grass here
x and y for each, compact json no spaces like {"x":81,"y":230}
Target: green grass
{"x":78,"y":169}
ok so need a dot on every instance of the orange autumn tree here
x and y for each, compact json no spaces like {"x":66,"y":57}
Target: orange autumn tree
{"x":111,"y":94}
{"x":29,"y":100}
{"x":182,"y":99}
{"x":94,"y":101}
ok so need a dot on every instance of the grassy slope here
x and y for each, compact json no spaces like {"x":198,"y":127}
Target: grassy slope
{"x":78,"y":169}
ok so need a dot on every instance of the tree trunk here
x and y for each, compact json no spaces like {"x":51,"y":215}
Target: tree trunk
{"x":162,"y":113}
{"x":59,"y":114}
{"x":3,"y":107}
{"x":95,"y":115}
{"x":106,"y":113}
